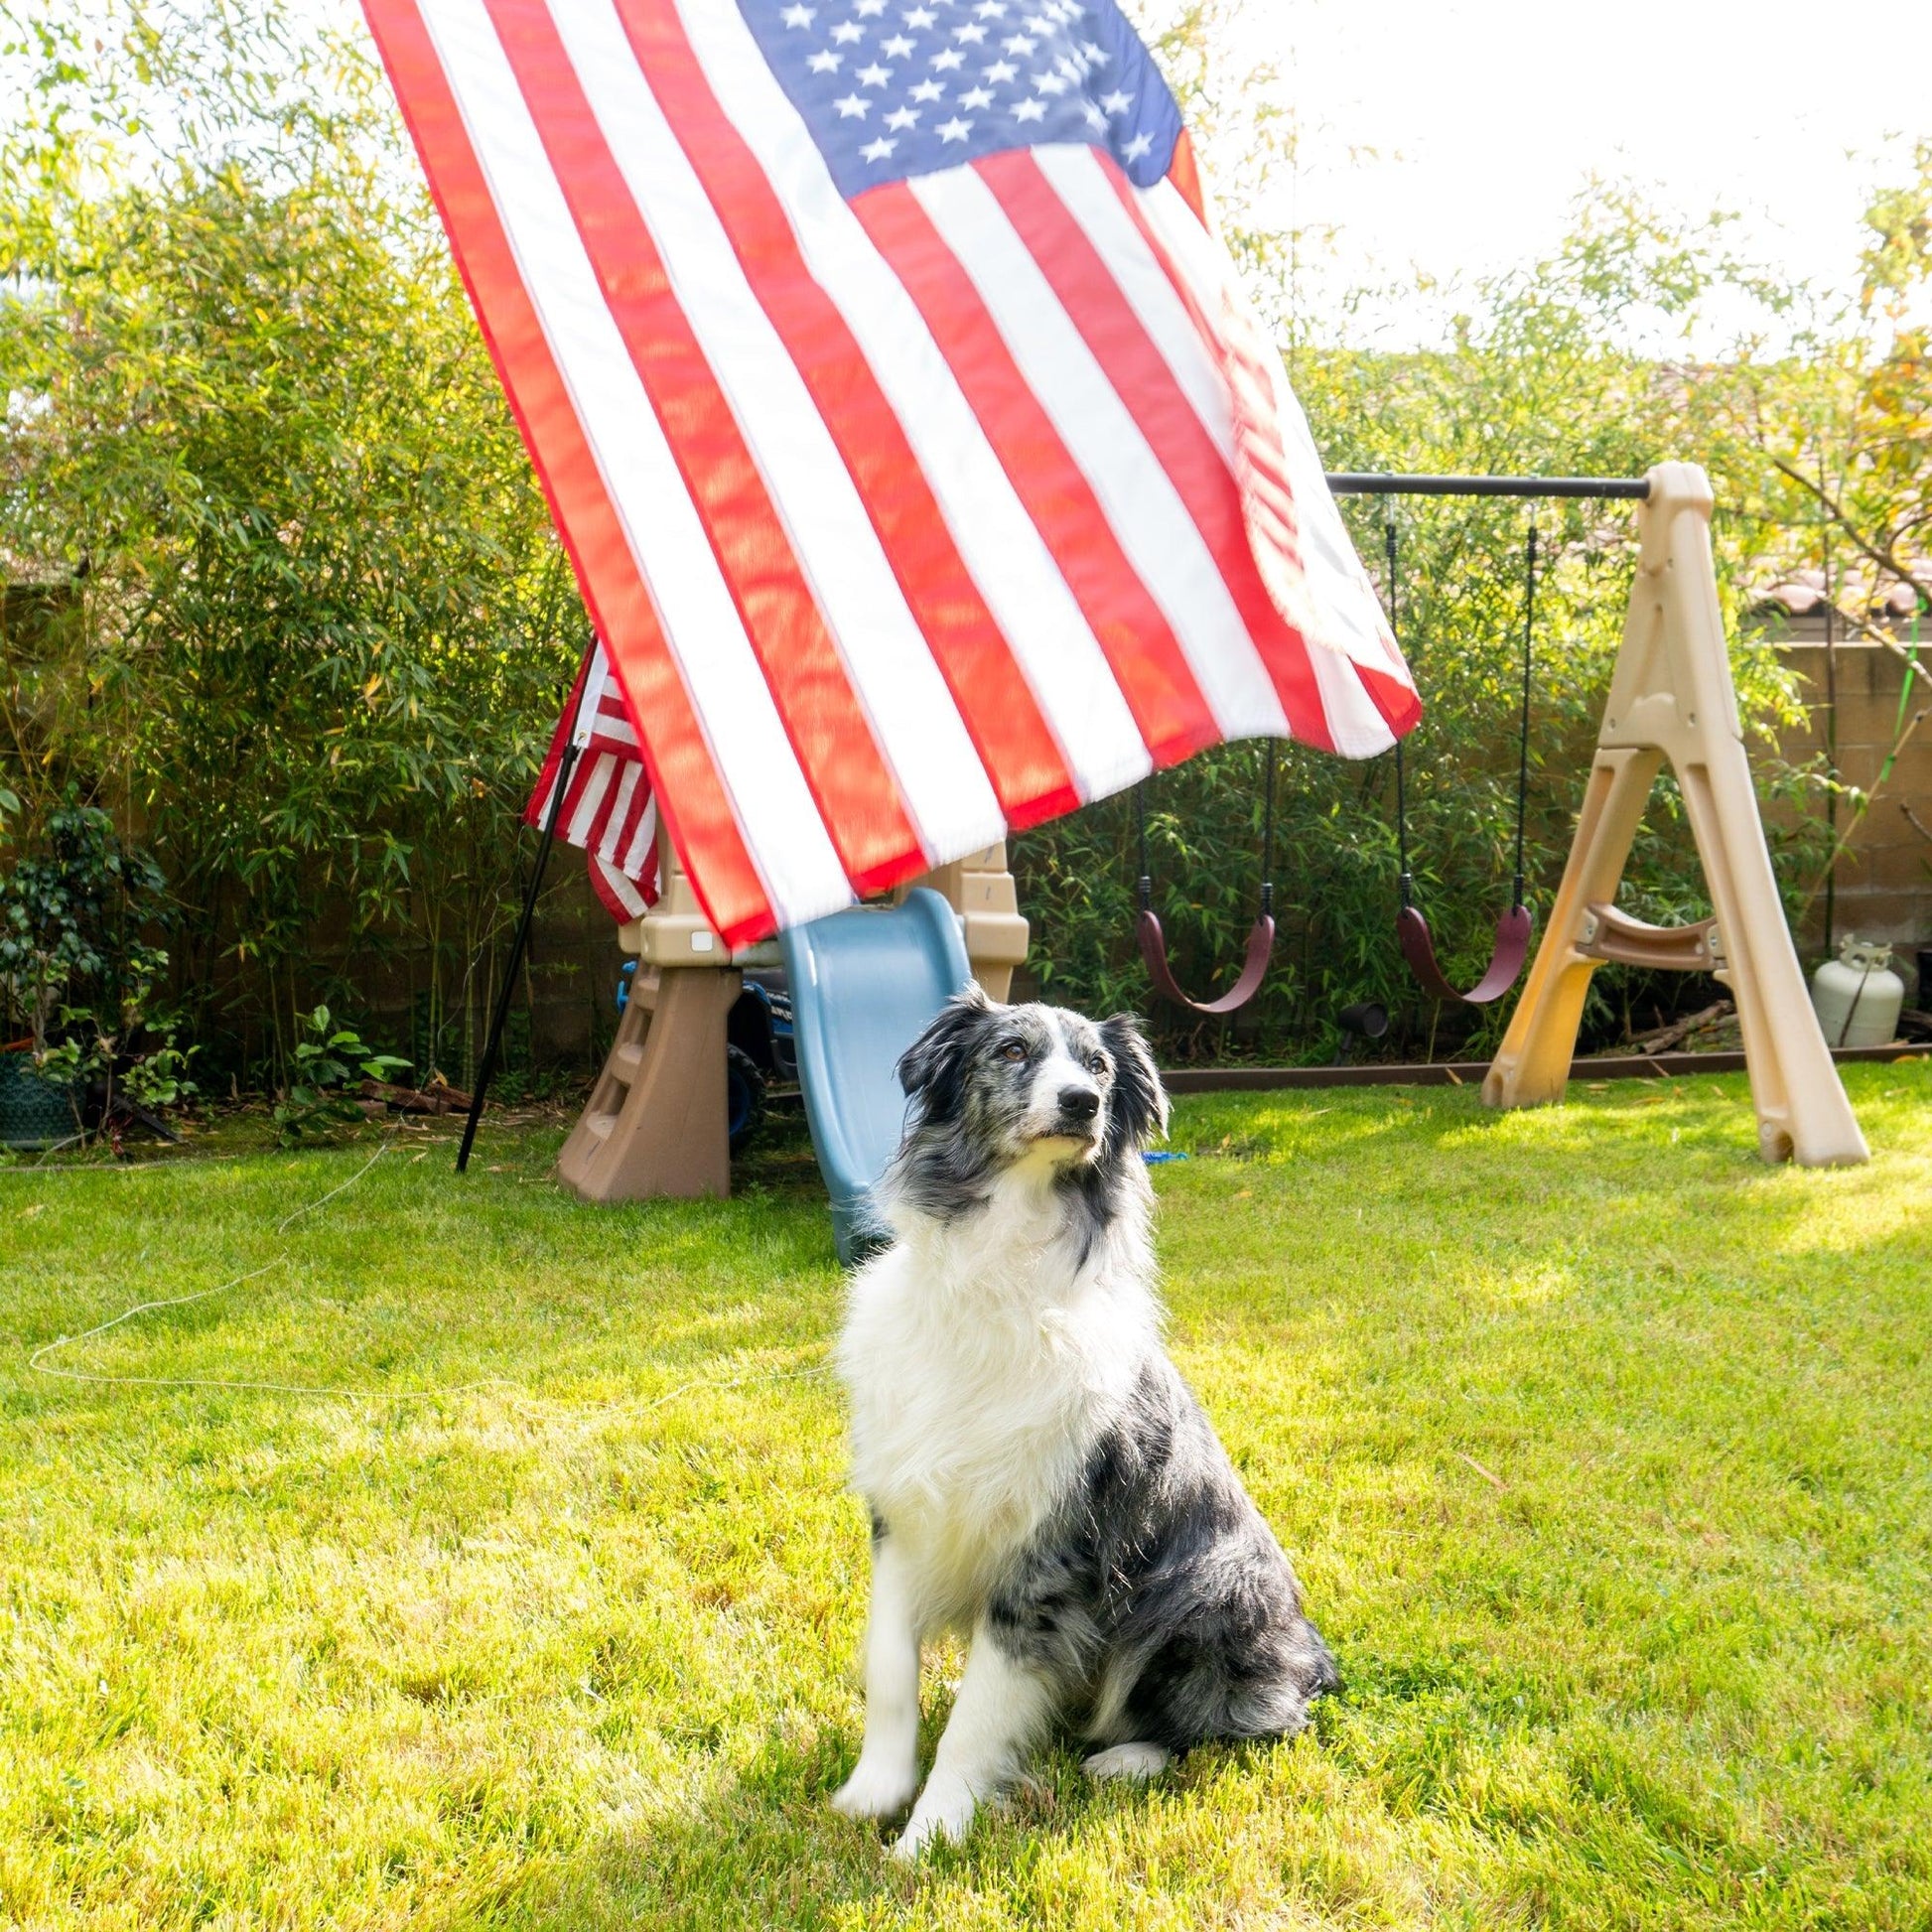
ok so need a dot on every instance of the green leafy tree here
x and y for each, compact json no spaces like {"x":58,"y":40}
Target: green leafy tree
{"x":319,"y":622}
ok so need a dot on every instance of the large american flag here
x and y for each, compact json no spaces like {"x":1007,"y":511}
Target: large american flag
{"x":925,"y":470}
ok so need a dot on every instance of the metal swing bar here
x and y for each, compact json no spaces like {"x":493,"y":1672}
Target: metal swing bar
{"x":1359,"y":482}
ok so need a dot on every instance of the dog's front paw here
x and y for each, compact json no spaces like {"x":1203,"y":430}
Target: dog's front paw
{"x":876,"y":1788}
{"x":938,"y":1815}
{"x":1136,"y":1763}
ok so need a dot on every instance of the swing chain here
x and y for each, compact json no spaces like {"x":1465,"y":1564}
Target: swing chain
{"x":1405,"y":878}
{"x":1268,"y":834}
{"x":1146,"y":887}
{"x":1147,"y":876}
{"x":1523,"y":753}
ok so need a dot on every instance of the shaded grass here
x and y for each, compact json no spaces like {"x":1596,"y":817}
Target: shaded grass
{"x":1601,"y":1449}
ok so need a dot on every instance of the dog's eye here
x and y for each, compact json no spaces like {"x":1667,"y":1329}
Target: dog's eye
{"x":1096,"y":1062}
{"x":1015,"y":1051}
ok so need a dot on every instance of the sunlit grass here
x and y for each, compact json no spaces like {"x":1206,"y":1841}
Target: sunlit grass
{"x":1601,"y":1450}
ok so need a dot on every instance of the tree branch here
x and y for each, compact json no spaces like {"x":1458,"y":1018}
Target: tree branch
{"x":1880,"y":553}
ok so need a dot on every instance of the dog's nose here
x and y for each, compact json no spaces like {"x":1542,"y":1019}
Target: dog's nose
{"x":1079,"y":1103}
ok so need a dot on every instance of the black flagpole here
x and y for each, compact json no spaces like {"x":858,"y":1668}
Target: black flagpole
{"x":486,"y":1068}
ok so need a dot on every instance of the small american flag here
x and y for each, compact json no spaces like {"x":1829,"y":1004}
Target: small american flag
{"x":608,"y":808}
{"x":925,"y":470}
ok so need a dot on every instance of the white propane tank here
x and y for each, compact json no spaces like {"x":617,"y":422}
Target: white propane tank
{"x":1857,"y":996}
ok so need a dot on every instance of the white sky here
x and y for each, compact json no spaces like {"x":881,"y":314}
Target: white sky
{"x":1484,"y":117}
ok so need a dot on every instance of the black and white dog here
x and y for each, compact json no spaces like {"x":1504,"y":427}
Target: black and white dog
{"x":1039,"y":1477}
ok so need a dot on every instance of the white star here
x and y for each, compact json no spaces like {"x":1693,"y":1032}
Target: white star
{"x":947,"y":59}
{"x":1117,"y":102}
{"x":799,"y":15}
{"x":852,"y":104}
{"x":1040,"y":24}
{"x":928,"y":90}
{"x":1017,"y":44}
{"x":1031,"y":110}
{"x":848,"y":31}
{"x":954,"y":130}
{"x":1096,"y":55}
{"x":1139,"y":148}
{"x":876,"y":151}
{"x":824,"y":63}
{"x":1095,"y":118}
{"x":874,"y":75}
{"x":1049,"y":83}
{"x":901,"y":118}
{"x":899,"y":47}
{"x":1000,"y":71}
{"x":971,"y":32}
{"x":869,"y":9}
{"x":1069,"y":67}
{"x":993,"y":9}
{"x":976,"y":97}
{"x":920,"y":16}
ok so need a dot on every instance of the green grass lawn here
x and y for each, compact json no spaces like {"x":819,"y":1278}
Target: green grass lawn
{"x":1605,"y":1453}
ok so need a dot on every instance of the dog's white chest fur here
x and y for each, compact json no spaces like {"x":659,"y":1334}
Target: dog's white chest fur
{"x":982,"y":1362}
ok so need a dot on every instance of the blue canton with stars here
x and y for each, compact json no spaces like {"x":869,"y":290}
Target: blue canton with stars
{"x":892,"y":88}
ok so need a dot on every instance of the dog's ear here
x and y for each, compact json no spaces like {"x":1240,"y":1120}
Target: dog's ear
{"x":1138,"y":1112}
{"x":932,"y":1069}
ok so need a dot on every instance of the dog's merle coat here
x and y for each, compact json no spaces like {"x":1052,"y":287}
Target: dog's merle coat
{"x":1039,"y":1473}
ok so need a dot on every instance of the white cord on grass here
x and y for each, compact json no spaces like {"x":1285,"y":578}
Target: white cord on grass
{"x":36,"y":1361}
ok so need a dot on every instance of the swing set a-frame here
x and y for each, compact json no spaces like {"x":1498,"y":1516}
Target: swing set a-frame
{"x":1672,"y":699}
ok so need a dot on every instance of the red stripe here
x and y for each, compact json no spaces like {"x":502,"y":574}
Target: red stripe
{"x":1009,"y":733}
{"x":1140,"y":375}
{"x":1399,"y":704}
{"x":702,"y":823}
{"x":850,"y":781}
{"x":1184,"y":172}
{"x":1395,"y":700}
{"x":1145,"y":385}
{"x":1148,"y":663}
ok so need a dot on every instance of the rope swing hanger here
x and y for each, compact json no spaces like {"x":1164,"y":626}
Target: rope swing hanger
{"x":1515,"y":927}
{"x":1261,"y":936}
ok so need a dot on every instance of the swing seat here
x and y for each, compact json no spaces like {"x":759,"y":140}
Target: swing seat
{"x":1512,"y":949}
{"x":1254,"y":969}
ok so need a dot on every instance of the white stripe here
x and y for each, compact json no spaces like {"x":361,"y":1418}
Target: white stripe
{"x":637,"y":854}
{"x":607,"y":846}
{"x":583,"y":818}
{"x":1079,"y":179}
{"x":1136,"y":493}
{"x":1342,"y":612}
{"x":887,"y":663}
{"x":1004,"y":554}
{"x":583,"y":724}
{"x":614,"y":727}
{"x":623,"y":890}
{"x":1355,"y":721}
{"x":747,"y":742}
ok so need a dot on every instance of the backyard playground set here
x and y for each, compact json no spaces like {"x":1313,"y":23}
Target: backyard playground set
{"x":928,"y":478}
{"x":866,"y":981}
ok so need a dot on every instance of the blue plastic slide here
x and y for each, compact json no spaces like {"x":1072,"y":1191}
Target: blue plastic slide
{"x":864,"y":984}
